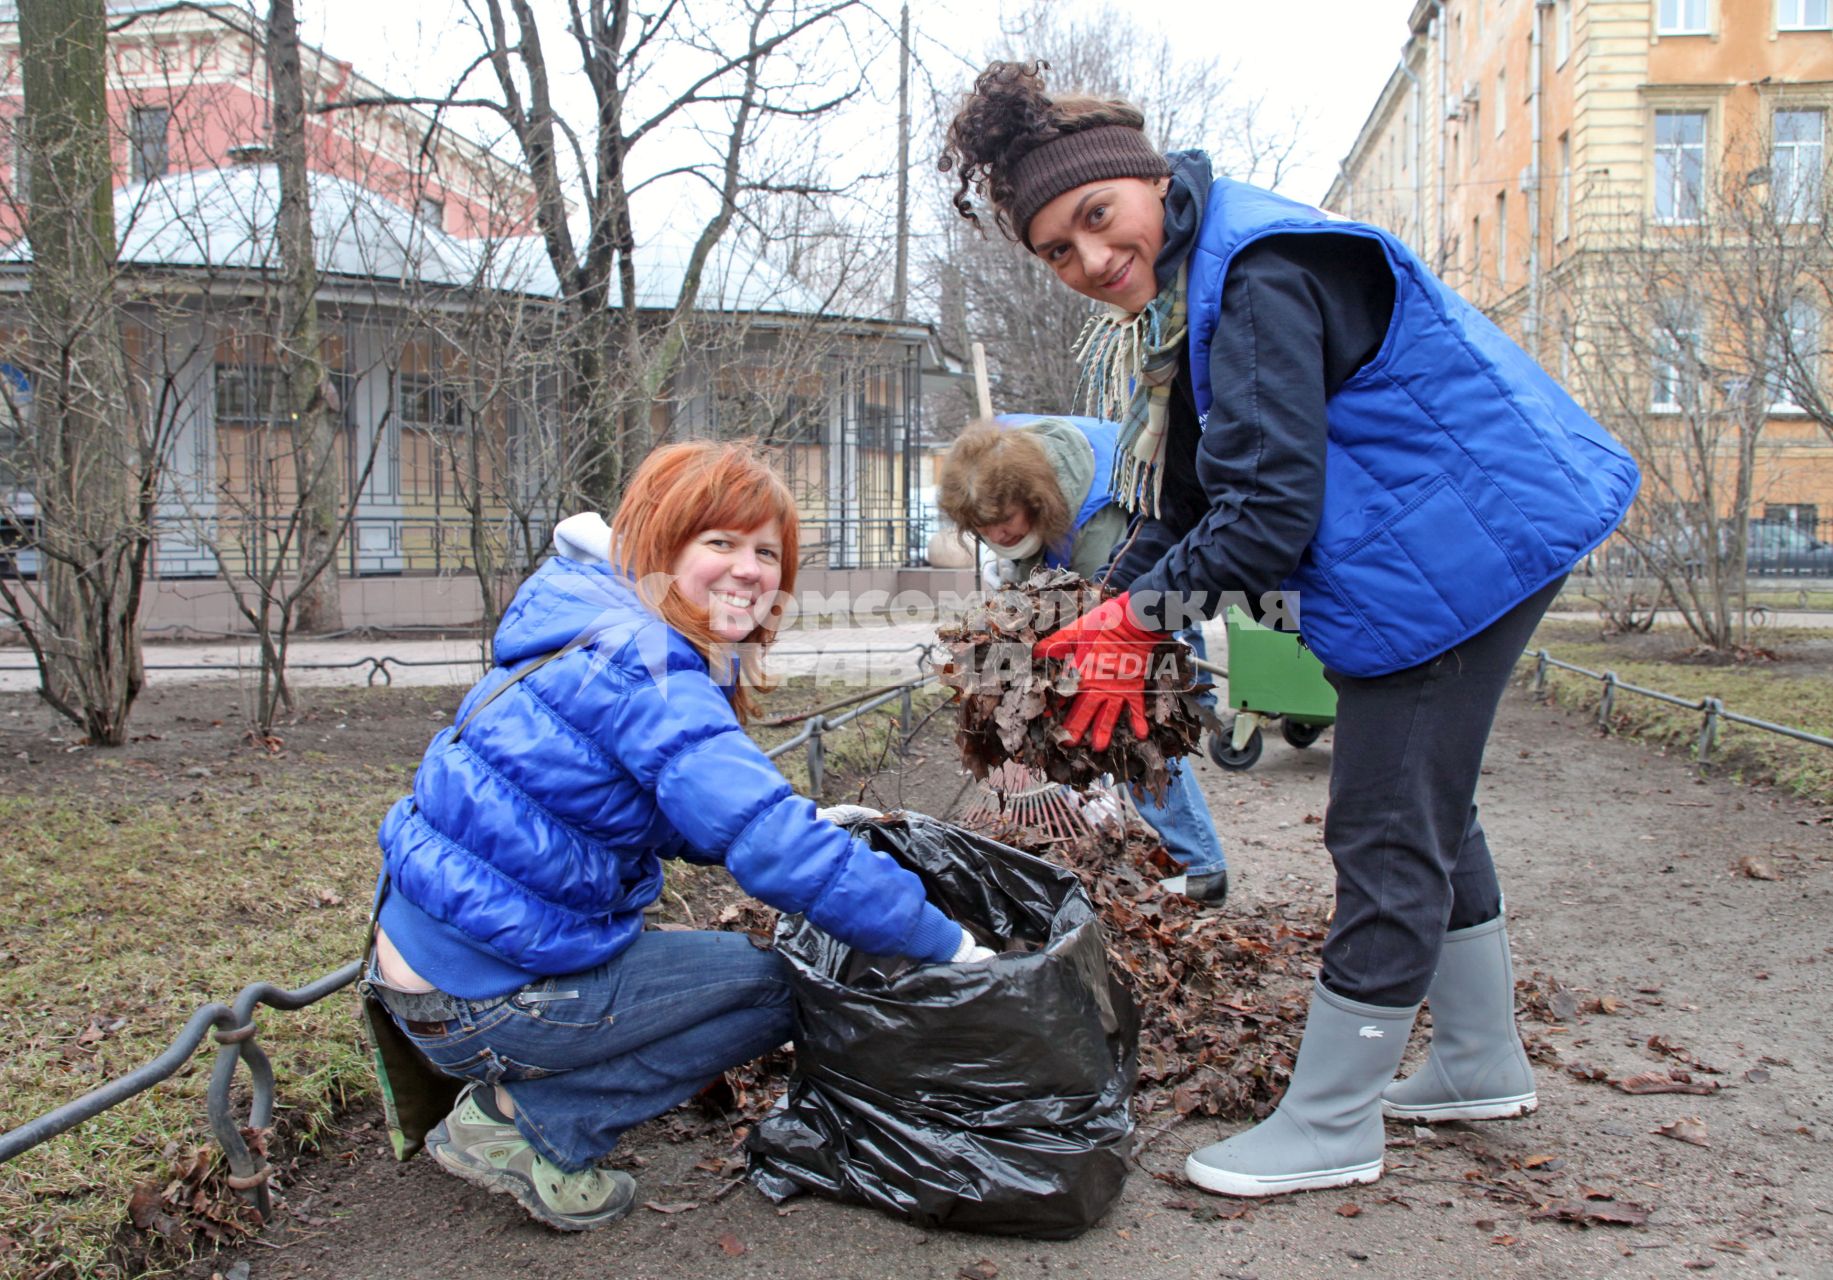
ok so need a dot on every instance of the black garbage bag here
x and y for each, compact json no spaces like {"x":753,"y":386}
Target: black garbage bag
{"x":983,"y":1097}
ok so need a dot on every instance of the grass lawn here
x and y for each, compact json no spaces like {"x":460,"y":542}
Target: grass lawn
{"x":139,"y":884}
{"x":1794,"y":688}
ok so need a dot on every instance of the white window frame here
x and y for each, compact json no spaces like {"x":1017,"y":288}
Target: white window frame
{"x":1793,"y":15}
{"x":149,"y":154}
{"x":1804,"y":320}
{"x":1805,"y":165}
{"x":1562,"y":33}
{"x":1502,"y":238}
{"x":1671,"y":18}
{"x":1669,"y":383}
{"x":1676,"y":216}
{"x":1501,"y":100}
{"x":1562,"y":197}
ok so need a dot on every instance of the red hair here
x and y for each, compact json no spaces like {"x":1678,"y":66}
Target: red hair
{"x":680,"y":491}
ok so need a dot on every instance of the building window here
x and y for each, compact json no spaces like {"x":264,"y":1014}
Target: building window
{"x":1502,"y":237}
{"x":1680,"y":17}
{"x":1562,"y":200}
{"x":1674,"y":377}
{"x":1680,"y":164}
{"x":431,"y":210}
{"x":247,"y":395}
{"x":1797,"y":160}
{"x":1501,"y":101}
{"x":1802,"y":15}
{"x":19,"y":157}
{"x":147,"y":154}
{"x":1476,"y":132}
{"x":428,"y":404}
{"x":1562,"y":33}
{"x":1793,"y":356}
{"x":1476,"y":250}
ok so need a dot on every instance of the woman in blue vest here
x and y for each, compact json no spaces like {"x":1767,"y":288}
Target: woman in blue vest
{"x":1035,"y":489}
{"x":1305,"y":408}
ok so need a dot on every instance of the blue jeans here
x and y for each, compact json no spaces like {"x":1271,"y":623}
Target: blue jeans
{"x":1183,"y":821}
{"x":588,"y":1055}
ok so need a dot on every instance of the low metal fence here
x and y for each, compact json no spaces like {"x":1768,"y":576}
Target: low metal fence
{"x":1712,"y":710}
{"x":232,"y":1026}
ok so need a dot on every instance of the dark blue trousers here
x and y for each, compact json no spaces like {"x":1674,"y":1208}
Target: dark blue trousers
{"x":1402,"y":829}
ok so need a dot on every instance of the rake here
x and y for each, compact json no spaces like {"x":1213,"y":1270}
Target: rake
{"x":1016,"y":798}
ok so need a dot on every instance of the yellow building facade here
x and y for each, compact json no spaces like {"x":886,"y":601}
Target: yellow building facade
{"x":1636,"y":190}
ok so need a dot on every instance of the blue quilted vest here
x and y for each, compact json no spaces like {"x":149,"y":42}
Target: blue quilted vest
{"x":1103,"y":437}
{"x":1459,"y":478}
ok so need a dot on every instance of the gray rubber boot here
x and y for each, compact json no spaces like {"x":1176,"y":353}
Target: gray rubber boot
{"x":1477,"y":1069}
{"x":1327,"y":1130}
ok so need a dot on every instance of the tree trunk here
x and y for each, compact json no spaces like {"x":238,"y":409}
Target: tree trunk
{"x":85,"y":450}
{"x":309,"y":401}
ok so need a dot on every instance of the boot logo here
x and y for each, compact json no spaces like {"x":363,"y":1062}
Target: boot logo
{"x":1370,"y":1032}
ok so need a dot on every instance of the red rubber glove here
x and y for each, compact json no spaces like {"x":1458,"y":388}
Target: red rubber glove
{"x":1110,"y":654}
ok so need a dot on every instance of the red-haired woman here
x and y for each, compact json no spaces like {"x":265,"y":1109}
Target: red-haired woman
{"x":1305,"y":408}
{"x":510,"y":944}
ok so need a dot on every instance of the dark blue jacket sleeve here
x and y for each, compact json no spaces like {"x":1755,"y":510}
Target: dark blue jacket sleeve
{"x":1299,"y":316}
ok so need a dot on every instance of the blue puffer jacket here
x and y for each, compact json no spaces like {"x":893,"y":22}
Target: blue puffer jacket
{"x":530,"y":847}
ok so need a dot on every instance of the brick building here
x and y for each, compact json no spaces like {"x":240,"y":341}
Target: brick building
{"x":1552,"y":158}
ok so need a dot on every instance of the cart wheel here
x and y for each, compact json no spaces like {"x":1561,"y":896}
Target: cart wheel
{"x":1225,"y":755}
{"x":1300,"y":735}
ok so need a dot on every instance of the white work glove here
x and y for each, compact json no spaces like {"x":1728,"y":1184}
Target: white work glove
{"x":969,"y":951}
{"x":845,"y":813}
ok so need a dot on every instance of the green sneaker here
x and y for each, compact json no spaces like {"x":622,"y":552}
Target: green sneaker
{"x":495,"y":1156}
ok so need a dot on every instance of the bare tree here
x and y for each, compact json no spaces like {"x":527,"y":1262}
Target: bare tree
{"x":731,"y":72}
{"x":83,"y":449}
{"x":1009,"y":298}
{"x":309,"y":401}
{"x":1684,"y":339}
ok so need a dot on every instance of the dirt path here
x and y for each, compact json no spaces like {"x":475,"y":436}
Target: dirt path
{"x":1632,"y":920}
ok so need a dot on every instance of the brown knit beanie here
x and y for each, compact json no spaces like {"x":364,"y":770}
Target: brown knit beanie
{"x":1071,"y":159}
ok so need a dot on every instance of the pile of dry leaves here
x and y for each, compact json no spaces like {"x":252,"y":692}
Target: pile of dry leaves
{"x":1010,"y":704}
{"x":1221,"y":995}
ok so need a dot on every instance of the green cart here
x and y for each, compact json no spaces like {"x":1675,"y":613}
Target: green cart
{"x":1270,"y":677}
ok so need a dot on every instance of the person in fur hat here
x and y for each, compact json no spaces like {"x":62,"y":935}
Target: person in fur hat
{"x":1034,"y":488}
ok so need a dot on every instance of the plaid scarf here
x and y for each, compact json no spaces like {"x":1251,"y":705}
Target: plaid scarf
{"x":1128,"y":363}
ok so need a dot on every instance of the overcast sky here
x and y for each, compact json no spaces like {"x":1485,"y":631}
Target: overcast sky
{"x":1326,"y":67}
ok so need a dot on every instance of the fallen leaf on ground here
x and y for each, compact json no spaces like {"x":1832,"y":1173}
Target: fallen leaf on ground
{"x":982,"y":1270}
{"x":679,"y":1206}
{"x":1586,"y":1214}
{"x":1665,"y":1082}
{"x":1691,"y":1129}
{"x":1758,"y":868}
{"x":733,"y":1246}
{"x":1348,"y":1210}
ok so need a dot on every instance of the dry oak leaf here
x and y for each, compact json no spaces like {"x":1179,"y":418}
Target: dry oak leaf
{"x":1665,"y":1082}
{"x":1758,"y":868}
{"x":1689,"y":1129}
{"x":1586,"y":1214}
